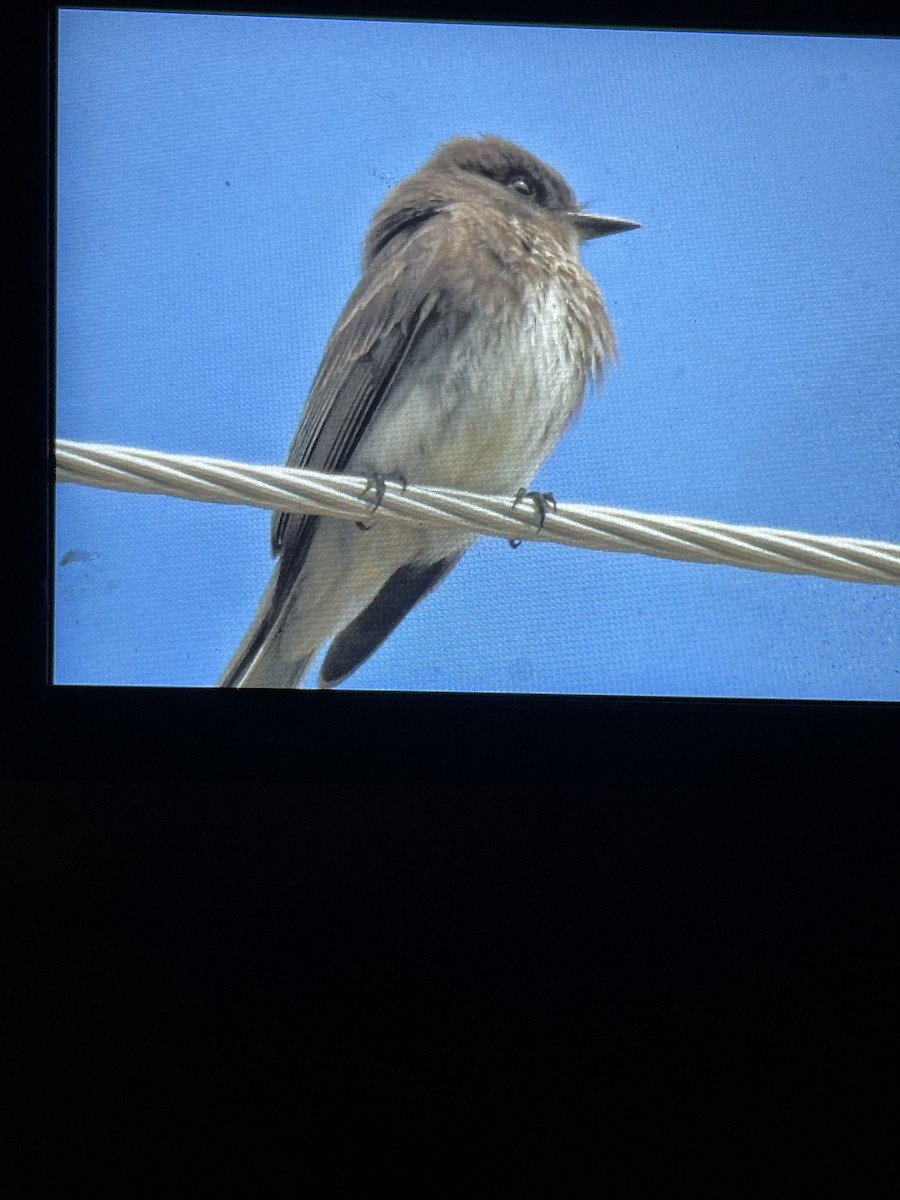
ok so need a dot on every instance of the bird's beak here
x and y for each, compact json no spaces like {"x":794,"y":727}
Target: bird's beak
{"x":591,"y":225}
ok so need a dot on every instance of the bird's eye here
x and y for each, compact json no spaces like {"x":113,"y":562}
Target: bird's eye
{"x":521,"y":185}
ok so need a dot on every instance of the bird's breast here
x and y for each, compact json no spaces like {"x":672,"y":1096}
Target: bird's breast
{"x":483,"y":410}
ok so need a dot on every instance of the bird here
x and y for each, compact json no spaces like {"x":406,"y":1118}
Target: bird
{"x":458,"y":361}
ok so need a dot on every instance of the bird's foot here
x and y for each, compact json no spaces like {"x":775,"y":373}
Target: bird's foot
{"x":541,"y":501}
{"x":376,"y":483}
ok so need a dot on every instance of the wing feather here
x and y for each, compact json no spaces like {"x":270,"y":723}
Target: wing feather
{"x":400,"y":300}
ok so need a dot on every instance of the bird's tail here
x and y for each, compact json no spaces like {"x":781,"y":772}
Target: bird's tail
{"x":265,"y":669}
{"x":261,"y":660}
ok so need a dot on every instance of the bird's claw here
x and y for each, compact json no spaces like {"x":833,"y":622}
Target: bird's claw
{"x":377,"y":482}
{"x":541,"y":500}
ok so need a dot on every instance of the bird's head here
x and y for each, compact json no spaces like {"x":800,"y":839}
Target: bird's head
{"x":492,"y":172}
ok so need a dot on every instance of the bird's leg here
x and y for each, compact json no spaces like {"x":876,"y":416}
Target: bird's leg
{"x":376,"y":482}
{"x":541,"y":501}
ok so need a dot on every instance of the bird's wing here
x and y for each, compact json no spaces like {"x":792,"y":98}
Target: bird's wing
{"x":402,"y":301}
{"x":390,"y":318}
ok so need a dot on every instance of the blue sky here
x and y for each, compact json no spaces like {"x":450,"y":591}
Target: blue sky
{"x":216,"y":177}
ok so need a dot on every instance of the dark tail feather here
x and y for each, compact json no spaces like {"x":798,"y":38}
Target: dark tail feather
{"x":362,"y":637}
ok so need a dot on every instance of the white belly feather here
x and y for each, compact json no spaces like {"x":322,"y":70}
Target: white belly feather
{"x":484,"y":414}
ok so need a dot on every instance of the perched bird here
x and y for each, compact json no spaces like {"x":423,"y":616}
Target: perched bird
{"x":458,"y":361}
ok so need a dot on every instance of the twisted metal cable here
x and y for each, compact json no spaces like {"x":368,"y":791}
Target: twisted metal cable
{"x":349,"y":497}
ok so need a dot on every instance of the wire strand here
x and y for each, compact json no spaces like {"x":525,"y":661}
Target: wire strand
{"x":595,"y":527}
